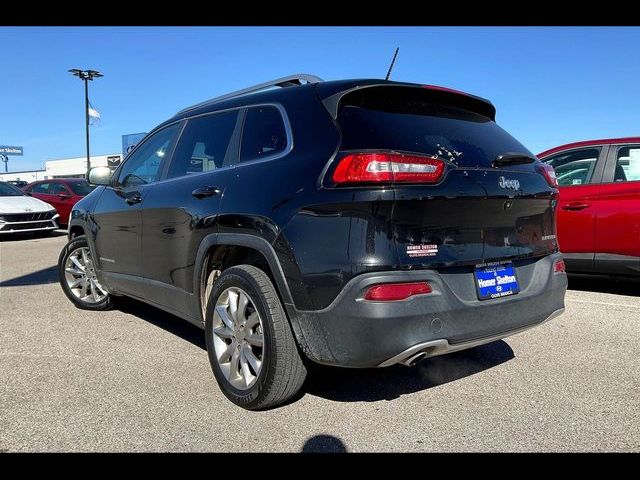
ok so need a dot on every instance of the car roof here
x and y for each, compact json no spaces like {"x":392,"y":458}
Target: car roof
{"x":324,"y":89}
{"x":588,"y":143}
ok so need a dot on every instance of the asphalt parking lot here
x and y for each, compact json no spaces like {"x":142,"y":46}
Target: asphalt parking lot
{"x":138,"y":379}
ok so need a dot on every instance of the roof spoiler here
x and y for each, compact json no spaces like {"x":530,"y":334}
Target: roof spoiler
{"x":441,"y":94}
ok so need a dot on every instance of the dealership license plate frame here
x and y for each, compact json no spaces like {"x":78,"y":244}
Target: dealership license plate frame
{"x":493,"y":293}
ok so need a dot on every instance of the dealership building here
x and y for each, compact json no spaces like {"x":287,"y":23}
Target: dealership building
{"x":64,"y":168}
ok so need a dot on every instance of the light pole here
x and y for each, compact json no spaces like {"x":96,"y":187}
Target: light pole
{"x":86,"y":75}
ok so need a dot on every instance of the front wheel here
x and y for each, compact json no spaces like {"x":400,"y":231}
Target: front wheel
{"x":77,"y":274}
{"x":251,"y":347}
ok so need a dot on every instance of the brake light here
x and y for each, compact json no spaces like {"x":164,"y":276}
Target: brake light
{"x":558,"y":267}
{"x":396,"y":291}
{"x":387,"y":168}
{"x":549,"y":174}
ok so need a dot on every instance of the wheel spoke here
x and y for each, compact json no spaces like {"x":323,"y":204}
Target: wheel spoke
{"x":85,"y":257}
{"x":252,"y":359}
{"x":244,"y":365}
{"x":99,"y":287}
{"x":77,"y":263}
{"x":74,"y":271}
{"x":77,"y":282}
{"x":228,"y":353}
{"x":255,"y":339}
{"x":233,"y":305}
{"x":243,"y":301}
{"x":223,"y":332}
{"x":253,"y":320}
{"x":234,"y":369}
{"x":221,"y":310}
{"x":94,"y":290}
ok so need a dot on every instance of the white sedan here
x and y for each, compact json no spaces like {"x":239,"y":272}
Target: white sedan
{"x":22,"y":213}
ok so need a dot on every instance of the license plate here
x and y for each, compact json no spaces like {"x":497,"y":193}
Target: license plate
{"x":495,"y":281}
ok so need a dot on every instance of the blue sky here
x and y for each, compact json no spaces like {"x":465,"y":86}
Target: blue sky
{"x":550,"y":85}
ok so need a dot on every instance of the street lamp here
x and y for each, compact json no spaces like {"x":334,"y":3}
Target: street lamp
{"x":86,"y":75}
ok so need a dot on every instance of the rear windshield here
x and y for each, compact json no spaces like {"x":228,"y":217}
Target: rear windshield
{"x":466,"y":138}
{"x":81,"y":188}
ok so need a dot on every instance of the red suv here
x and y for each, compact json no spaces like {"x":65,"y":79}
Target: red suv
{"x":599,"y":204}
{"x":61,"y":193}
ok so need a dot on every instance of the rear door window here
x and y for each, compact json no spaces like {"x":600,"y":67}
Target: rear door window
{"x":627,"y":167}
{"x":206,"y":144}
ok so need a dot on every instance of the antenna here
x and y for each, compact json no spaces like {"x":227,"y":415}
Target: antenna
{"x":393,"y":61}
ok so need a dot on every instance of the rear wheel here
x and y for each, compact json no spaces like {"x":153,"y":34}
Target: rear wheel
{"x":77,"y":275}
{"x":251,"y":347}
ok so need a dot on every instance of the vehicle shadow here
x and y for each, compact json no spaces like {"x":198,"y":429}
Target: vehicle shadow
{"x":13,"y":237}
{"x":602,"y":284}
{"x":161,"y":319}
{"x":376,"y":384}
{"x":324,"y":444}
{"x":346,"y":384}
{"x":39,"y":277}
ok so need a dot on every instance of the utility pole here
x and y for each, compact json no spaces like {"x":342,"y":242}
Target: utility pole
{"x":86,"y":75}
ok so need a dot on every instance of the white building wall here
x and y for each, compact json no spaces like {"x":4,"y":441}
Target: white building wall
{"x":68,"y":167}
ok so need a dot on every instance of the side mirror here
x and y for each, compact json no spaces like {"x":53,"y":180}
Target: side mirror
{"x":100,"y":176}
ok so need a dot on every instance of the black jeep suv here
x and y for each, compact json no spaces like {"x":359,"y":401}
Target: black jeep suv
{"x":358,"y":223}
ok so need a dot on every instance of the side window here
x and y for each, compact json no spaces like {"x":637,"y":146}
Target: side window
{"x":205,"y":145}
{"x":575,"y":167}
{"x":41,"y":188}
{"x":627,"y":164}
{"x":143,"y":165}
{"x":59,"y":188}
{"x":263,"y":134}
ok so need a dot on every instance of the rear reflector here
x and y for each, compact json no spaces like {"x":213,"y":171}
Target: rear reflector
{"x":387,"y":168}
{"x":396,"y":291}
{"x":558,"y":267}
{"x":549,"y":174}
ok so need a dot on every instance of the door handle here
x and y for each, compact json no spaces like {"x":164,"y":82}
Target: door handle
{"x":575,"y":206}
{"x":133,"y":198}
{"x":63,"y":196}
{"x":206,"y":191}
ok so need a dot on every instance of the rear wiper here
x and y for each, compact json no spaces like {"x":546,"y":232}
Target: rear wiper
{"x":512,"y":158}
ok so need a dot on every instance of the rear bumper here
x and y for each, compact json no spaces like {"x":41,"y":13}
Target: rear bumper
{"x":353,"y":332}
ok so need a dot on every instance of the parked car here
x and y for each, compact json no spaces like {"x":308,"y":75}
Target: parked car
{"x":17,"y":183}
{"x":20,"y":213}
{"x":599,"y":206}
{"x":358,"y":223}
{"x":62,"y":193}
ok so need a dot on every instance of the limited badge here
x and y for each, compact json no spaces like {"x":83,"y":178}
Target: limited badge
{"x":422,"y":250}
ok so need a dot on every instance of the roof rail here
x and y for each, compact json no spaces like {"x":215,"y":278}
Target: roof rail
{"x":288,"y":81}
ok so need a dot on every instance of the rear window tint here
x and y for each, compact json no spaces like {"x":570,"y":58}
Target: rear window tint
{"x":465,"y":138}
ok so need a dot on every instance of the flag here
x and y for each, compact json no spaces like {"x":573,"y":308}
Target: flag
{"x":94,"y":116}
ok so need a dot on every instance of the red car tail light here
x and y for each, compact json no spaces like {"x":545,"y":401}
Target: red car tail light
{"x":396,"y":291}
{"x":558,"y":267}
{"x":549,"y":174}
{"x":387,"y":168}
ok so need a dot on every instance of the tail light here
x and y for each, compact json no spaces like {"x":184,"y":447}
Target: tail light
{"x":558,"y":267}
{"x":549,"y":174}
{"x":388,"y":292}
{"x":380,"y":167}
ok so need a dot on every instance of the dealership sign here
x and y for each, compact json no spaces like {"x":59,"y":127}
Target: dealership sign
{"x":8,"y":150}
{"x":129,"y":141}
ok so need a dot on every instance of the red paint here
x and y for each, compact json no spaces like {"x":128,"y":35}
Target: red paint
{"x":589,"y":143}
{"x":63,"y":201}
{"x":600,"y":218}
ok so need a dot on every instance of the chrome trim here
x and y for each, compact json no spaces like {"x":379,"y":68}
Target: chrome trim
{"x":442,"y":346}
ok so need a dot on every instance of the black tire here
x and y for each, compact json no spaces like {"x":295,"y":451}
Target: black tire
{"x":76,"y":243}
{"x":283,"y":372}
